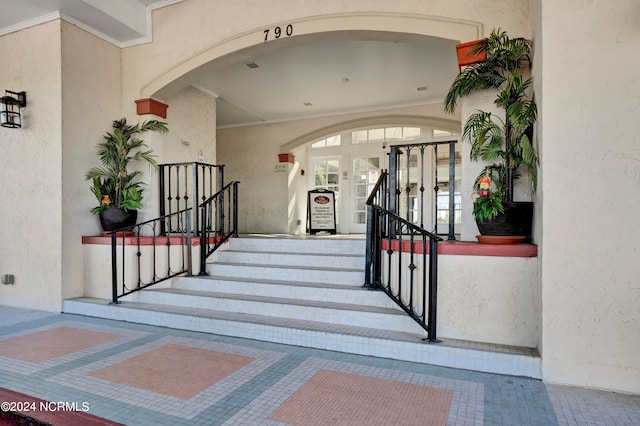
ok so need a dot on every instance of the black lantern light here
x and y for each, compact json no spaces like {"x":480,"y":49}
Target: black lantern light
{"x":10,"y":105}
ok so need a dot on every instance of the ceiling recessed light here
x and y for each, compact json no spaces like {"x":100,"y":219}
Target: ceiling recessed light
{"x":307,"y":104}
{"x":422,"y":88}
{"x":252,"y":65}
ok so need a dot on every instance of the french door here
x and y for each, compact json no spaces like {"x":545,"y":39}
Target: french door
{"x":364,"y":173}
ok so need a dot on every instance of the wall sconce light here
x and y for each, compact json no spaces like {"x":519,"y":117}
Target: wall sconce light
{"x":10,"y":105}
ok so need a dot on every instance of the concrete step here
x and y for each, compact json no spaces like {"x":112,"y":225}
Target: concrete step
{"x":343,"y":338}
{"x":306,"y":310}
{"x":316,"y":260}
{"x":352,"y":294}
{"x":293,"y":273}
{"x":298,"y":245}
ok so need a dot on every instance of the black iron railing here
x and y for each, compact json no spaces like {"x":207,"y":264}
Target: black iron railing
{"x":379,"y":196}
{"x":413,"y":168}
{"x":401,"y":260}
{"x":218,"y":221}
{"x":141,"y":256}
{"x":405,"y":267}
{"x":184,"y":186}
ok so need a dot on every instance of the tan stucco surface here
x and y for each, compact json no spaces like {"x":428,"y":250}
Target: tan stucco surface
{"x":590,"y":194}
{"x":31,"y":171}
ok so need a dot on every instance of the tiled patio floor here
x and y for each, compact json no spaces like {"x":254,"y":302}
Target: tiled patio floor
{"x":141,"y":375}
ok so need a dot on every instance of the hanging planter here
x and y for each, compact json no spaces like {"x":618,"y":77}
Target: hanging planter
{"x":466,"y":55}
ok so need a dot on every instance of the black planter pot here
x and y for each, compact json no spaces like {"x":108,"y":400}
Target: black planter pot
{"x":114,"y":219}
{"x":516,"y":220}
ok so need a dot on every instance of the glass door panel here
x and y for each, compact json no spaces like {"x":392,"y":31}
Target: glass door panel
{"x":327,"y":176}
{"x":365,"y":172}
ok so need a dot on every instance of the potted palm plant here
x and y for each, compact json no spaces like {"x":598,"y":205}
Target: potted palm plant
{"x":118,"y":191}
{"x":504,"y":140}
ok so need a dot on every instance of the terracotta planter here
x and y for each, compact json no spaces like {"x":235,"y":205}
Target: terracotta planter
{"x":151,"y":106}
{"x":286,"y":158}
{"x":465,"y":57}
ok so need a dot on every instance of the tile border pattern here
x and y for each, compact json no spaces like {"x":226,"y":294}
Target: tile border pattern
{"x":467,"y":402}
{"x":26,"y":367}
{"x":80,"y":378}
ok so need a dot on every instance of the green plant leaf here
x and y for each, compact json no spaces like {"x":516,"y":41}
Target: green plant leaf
{"x":117,"y":150}
{"x":506,"y":139}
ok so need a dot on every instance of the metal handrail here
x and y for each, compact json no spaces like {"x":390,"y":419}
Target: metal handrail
{"x":185,"y":185}
{"x":389,"y":233}
{"x":146,"y":264}
{"x":218,"y":221}
{"x":416,"y":293}
{"x":395,"y":172}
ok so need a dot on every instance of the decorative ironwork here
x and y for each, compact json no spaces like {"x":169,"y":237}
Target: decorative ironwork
{"x":218,"y":221}
{"x":394,"y":241}
{"x":158,"y":257}
{"x":184,"y":184}
{"x":401,"y":176}
{"x":412,"y":287}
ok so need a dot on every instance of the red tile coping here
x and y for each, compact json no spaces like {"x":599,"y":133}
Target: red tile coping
{"x":453,"y":248}
{"x":144,"y":241}
{"x":47,"y":412}
{"x":468,"y":248}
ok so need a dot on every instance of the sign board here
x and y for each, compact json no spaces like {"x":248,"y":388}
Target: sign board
{"x":321,"y":211}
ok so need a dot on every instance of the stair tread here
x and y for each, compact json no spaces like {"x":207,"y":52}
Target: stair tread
{"x":283,"y":301}
{"x":272,"y":266}
{"x":315,"y":326}
{"x":281,"y":282}
{"x":265,"y":320}
{"x":324,"y":254}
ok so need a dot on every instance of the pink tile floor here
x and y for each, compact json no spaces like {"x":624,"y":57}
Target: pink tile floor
{"x":57,"y":366}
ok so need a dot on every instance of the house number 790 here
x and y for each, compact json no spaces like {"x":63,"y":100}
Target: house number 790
{"x":278,"y":32}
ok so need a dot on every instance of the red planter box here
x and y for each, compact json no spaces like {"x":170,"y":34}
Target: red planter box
{"x":464,"y":53}
{"x":287,"y":158}
{"x":151,"y":106}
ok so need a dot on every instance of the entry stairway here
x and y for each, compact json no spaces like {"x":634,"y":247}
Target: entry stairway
{"x":305,"y":292}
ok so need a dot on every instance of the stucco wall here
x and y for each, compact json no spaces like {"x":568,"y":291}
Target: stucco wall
{"x":90,"y":102}
{"x":591,"y":181}
{"x":190,"y":33}
{"x":31,"y":172}
{"x":480,"y":298}
{"x":191,"y":118}
{"x":251,"y":156}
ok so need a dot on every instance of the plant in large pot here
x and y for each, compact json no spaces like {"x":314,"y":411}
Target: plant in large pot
{"x":118,"y":191}
{"x":504,"y":140}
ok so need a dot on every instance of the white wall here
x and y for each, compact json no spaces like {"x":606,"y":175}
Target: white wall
{"x":187,"y":30}
{"x":191,"y":118}
{"x":31,"y":171}
{"x":480,"y":298}
{"x":591,"y":190}
{"x":90,"y":102}
{"x":251,"y":156}
{"x":489,"y":299}
{"x":191,"y":33}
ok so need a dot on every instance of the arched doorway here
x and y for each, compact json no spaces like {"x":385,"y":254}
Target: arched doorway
{"x":238,"y":51}
{"x":349,"y":162}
